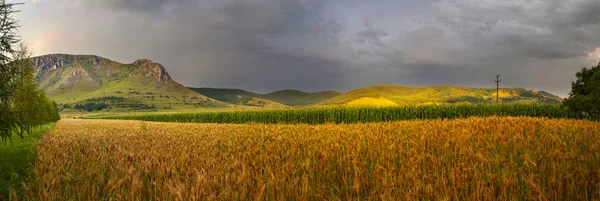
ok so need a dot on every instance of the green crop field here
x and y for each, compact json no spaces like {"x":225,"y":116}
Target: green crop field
{"x":357,"y":115}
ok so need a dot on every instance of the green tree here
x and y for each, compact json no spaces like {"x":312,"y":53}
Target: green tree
{"x":585,"y":93}
{"x":25,"y":93}
{"x":8,"y":38}
{"x":46,"y":110}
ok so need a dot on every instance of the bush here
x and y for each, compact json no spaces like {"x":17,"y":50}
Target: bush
{"x":91,"y":106}
{"x":585,"y":93}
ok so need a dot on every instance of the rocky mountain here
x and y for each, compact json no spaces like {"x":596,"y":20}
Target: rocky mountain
{"x":83,"y":79}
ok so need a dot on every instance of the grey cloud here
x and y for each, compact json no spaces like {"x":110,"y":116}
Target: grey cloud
{"x":144,"y":6}
{"x":529,"y":41}
{"x":530,"y":28}
{"x":266,"y":45}
{"x":585,"y":13}
{"x":258,"y":45}
{"x":371,"y":34}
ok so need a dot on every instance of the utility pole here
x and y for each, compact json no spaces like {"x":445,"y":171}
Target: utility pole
{"x":497,"y":87}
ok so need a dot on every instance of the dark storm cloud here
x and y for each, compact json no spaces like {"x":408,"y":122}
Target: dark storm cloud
{"x":259,"y":45}
{"x":538,"y":29}
{"x":134,"y":5}
{"x":585,"y":13}
{"x":529,"y":41}
{"x":371,"y":34}
{"x":266,"y":45}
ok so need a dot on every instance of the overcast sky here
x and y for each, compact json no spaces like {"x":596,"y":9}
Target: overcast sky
{"x":266,"y":45}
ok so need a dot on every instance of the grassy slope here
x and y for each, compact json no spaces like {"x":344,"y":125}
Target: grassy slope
{"x":173,"y":91}
{"x":16,"y":158}
{"x":551,"y":95}
{"x":403,"y":95}
{"x":285,"y":97}
{"x":225,"y":95}
{"x":265,"y":103}
{"x":123,"y":80}
{"x":368,"y":101}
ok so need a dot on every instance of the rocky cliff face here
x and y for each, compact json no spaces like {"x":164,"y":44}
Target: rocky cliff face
{"x":63,"y":72}
{"x":48,"y":63}
{"x":141,"y":85}
{"x":151,"y":69}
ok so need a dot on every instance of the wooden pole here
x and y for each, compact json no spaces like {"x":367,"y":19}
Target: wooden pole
{"x":497,"y":87}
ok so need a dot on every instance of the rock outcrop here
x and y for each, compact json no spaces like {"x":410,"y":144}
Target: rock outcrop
{"x":151,"y":69}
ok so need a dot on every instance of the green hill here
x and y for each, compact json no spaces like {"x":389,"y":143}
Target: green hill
{"x":286,"y":97}
{"x":259,"y":102}
{"x":81,"y":82}
{"x":224,"y":95}
{"x":386,"y":95}
{"x":300,"y":98}
{"x":90,"y":83}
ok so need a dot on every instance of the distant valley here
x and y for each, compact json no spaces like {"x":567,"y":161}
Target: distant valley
{"x":93,"y":83}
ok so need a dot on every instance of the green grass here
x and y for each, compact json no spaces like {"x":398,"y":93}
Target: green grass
{"x":80,"y":80}
{"x":16,"y":158}
{"x":341,"y":115}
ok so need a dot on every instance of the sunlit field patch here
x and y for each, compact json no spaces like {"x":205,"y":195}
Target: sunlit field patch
{"x":505,"y":158}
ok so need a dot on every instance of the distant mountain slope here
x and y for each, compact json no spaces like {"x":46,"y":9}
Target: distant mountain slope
{"x":87,"y":79}
{"x":259,"y":102}
{"x":224,"y":95}
{"x":300,"y":98}
{"x":403,"y":95}
{"x":552,"y":96}
{"x":285,"y":97}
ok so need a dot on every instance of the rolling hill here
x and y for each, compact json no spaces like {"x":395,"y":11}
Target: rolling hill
{"x":292,"y":98}
{"x":300,"y":98}
{"x":90,"y":83}
{"x":86,"y":81}
{"x":387,"y":95}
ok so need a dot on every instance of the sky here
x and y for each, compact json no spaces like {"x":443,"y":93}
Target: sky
{"x":313,"y":45}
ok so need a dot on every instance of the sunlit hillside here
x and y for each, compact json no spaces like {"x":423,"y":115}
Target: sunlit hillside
{"x":404,"y":95}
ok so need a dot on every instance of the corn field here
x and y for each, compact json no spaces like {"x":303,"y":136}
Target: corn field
{"x":492,"y":158}
{"x":360,"y":115}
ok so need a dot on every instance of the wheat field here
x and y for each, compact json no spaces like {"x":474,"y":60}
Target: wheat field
{"x":492,"y":158}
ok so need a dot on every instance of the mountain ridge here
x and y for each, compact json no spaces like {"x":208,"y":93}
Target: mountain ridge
{"x":86,"y":79}
{"x":289,"y":97}
{"x":83,"y":79}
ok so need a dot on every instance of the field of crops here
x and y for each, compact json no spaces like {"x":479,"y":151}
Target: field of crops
{"x":504,"y":158}
{"x":360,"y":115}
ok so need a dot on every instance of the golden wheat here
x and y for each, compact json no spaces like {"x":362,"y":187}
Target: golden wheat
{"x":503,"y":158}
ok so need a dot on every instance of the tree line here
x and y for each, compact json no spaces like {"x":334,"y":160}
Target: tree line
{"x":22,"y":105}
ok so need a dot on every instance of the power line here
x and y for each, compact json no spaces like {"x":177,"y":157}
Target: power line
{"x":497,"y":87}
